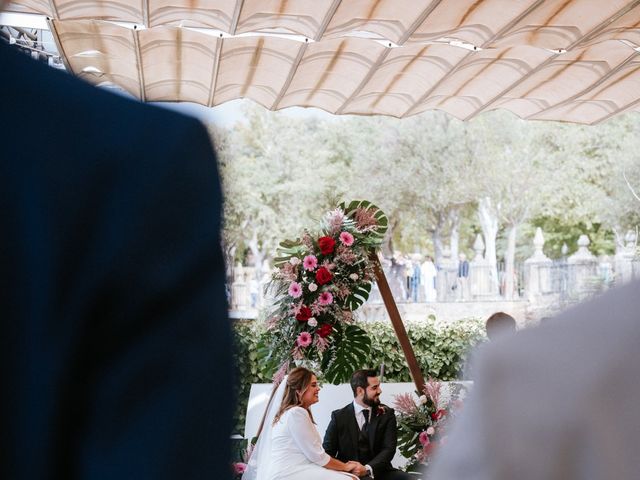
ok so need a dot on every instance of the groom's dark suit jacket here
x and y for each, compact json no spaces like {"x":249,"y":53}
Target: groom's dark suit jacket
{"x":341,"y":437}
{"x":114,"y":336}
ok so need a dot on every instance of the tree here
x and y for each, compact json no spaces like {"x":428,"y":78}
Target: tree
{"x":276,"y":179}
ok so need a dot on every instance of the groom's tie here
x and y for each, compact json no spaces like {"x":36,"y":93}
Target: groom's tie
{"x":365,"y":425}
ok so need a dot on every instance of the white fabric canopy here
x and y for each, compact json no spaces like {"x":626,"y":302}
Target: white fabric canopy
{"x":575,"y":61}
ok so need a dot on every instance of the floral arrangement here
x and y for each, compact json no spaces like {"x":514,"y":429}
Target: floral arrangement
{"x":322,"y":278}
{"x":422,"y":424}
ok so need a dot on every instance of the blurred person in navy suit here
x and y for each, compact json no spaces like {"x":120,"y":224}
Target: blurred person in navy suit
{"x":115,"y":338}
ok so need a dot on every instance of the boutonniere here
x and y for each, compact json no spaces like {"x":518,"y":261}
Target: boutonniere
{"x":380,"y":410}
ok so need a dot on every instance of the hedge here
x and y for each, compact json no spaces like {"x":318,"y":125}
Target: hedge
{"x":440,"y":349}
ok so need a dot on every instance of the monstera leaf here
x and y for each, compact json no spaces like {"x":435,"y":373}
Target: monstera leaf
{"x":407,"y":441}
{"x":358,"y":296}
{"x":348,"y":355}
{"x":382,"y":221}
{"x":286,"y":250}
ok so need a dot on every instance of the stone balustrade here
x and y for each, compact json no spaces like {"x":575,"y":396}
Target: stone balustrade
{"x":547,"y":285}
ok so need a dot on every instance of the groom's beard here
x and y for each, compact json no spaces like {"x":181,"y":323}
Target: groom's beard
{"x":372,"y":402}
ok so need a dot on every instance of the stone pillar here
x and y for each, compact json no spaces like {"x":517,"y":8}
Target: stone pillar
{"x":583,"y":269}
{"x":624,"y":258}
{"x":479,"y":273}
{"x":239,"y":291}
{"x":537,"y":270}
{"x":446,"y":277}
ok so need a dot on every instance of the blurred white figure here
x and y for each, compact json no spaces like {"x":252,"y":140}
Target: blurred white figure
{"x":557,"y":402}
{"x":429,"y":273}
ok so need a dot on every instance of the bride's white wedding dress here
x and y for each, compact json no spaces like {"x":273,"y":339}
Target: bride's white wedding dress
{"x":296,"y":450}
{"x":291,"y":449}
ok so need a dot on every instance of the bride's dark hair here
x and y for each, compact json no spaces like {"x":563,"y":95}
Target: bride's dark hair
{"x":298,"y":381}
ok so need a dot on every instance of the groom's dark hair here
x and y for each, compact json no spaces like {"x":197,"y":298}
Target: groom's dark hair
{"x":360,"y":378}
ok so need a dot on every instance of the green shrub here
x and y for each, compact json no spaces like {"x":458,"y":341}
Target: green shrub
{"x":440,"y":350}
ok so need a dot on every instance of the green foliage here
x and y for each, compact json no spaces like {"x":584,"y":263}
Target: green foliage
{"x":248,"y":370}
{"x":440,"y":350}
{"x":278,"y":173}
{"x":348,"y":355}
{"x":359,"y":295}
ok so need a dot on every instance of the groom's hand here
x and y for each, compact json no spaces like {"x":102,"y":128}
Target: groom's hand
{"x":358,"y":469}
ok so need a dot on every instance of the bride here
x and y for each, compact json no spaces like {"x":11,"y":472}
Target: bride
{"x":289,"y":447}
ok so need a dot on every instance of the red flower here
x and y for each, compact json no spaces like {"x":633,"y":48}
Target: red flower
{"x":429,"y":448}
{"x":324,"y":330}
{"x":438,"y":415}
{"x":304,"y":314}
{"x":381,"y":410}
{"x":323,"y":276}
{"x":326,"y":244}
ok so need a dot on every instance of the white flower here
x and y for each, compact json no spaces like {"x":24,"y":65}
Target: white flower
{"x":422,"y":399}
{"x":431,"y":431}
{"x":313,"y":287}
{"x":312,"y":322}
{"x":353,"y":276}
{"x":294,"y":261}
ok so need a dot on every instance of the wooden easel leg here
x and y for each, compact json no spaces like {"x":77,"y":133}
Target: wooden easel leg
{"x":396,"y":321}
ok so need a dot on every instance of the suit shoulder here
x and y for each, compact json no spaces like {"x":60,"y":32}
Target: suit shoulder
{"x":343,"y":411}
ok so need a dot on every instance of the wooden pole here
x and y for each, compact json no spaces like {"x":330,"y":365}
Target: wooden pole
{"x":396,"y":321}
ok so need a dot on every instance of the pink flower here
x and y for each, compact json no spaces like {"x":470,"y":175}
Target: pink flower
{"x":304,"y":339}
{"x":365,"y":220}
{"x":325,"y":298}
{"x":239,"y":468}
{"x":321,"y":343}
{"x":334,"y":220}
{"x":310,"y":262}
{"x":295,"y":290}
{"x":404,"y":404}
{"x":346,"y":238}
{"x":424,"y":439}
{"x":431,"y":431}
{"x":277,"y":378}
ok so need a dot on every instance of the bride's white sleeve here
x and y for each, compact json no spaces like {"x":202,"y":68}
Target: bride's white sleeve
{"x":306,"y":437}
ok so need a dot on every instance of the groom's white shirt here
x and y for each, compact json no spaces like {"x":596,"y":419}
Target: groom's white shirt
{"x":556,"y":402}
{"x":358,"y":409}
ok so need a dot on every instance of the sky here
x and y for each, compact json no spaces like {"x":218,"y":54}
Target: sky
{"x":228,"y":113}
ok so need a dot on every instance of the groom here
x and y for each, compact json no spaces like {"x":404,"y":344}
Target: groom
{"x":365,"y":431}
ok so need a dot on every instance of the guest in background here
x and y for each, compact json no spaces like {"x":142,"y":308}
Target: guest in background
{"x":463,"y":278}
{"x":429,"y":273}
{"x":415,"y":280}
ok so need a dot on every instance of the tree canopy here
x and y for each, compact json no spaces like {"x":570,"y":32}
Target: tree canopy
{"x":439,"y":180}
